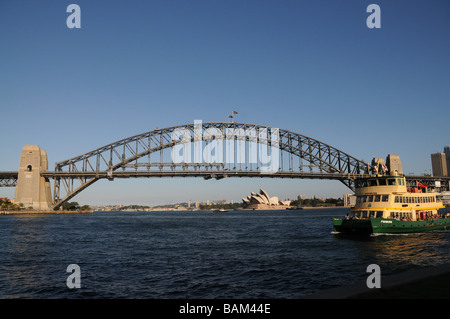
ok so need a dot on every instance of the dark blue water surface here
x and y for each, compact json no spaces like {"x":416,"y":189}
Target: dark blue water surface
{"x":242,"y":254}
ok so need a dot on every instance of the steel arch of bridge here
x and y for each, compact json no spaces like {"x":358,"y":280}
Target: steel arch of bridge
{"x":145,"y":155}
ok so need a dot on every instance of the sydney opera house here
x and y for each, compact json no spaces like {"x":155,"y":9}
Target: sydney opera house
{"x":262,"y":201}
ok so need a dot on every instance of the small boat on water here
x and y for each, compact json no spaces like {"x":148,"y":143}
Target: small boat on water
{"x":294,"y":208}
{"x":384,"y":204}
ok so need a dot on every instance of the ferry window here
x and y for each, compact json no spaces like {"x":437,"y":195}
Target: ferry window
{"x":405,"y":199}
{"x":385,"y":198}
{"x":433,"y":199}
{"x":397,"y":199}
{"x":363,"y":183}
{"x":377,"y":198}
{"x":364,"y":199}
{"x":370,"y":198}
{"x":391,"y":181}
{"x":379,"y":214}
{"x":373,"y":182}
{"x":382,"y":182}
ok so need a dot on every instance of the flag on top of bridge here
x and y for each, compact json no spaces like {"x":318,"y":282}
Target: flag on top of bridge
{"x":230,"y":116}
{"x":234,"y":112}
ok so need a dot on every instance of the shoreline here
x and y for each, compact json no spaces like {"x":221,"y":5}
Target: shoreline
{"x":41,"y":212}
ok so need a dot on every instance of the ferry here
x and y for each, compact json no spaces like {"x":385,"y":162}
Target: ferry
{"x":384,"y":204}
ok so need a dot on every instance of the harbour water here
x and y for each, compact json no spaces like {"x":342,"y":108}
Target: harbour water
{"x":241,"y":254}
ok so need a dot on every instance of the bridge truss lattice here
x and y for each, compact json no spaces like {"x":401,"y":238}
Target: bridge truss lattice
{"x":208,"y":150}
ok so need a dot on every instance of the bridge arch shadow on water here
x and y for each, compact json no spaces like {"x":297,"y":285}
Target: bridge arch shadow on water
{"x":209,"y":150}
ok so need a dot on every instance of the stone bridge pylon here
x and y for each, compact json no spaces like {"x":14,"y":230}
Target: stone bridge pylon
{"x":33,"y":190}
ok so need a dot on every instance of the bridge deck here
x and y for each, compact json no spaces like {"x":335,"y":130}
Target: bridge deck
{"x":9,"y":178}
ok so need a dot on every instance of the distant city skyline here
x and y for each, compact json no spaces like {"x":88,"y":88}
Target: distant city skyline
{"x":310,"y":67}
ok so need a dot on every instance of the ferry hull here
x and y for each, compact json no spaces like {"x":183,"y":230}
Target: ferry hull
{"x":359,"y":226}
{"x":388,"y":226}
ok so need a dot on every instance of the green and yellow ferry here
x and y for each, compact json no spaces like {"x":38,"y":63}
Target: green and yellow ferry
{"x":384,"y":204}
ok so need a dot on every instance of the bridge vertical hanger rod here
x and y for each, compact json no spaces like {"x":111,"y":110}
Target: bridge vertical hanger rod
{"x":160,"y":149}
{"x":149,"y":148}
{"x":281,"y":161}
{"x":291,"y":159}
{"x":137,"y":152}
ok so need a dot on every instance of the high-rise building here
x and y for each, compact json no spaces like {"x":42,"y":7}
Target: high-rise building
{"x":439,"y":164}
{"x":447,"y":155}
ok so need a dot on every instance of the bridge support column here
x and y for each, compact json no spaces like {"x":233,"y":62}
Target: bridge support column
{"x":32,"y":189}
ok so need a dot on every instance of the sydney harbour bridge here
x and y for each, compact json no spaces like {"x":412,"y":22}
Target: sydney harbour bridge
{"x":209,"y":150}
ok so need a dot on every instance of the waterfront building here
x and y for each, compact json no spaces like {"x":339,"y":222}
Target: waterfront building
{"x":447,"y":157}
{"x":439,"y":164}
{"x":349,"y":200}
{"x":444,"y":197}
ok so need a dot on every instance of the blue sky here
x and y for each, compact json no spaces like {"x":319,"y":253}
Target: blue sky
{"x":312,"y":67}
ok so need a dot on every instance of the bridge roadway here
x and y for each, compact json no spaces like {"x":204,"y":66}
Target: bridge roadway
{"x":9,"y":179}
